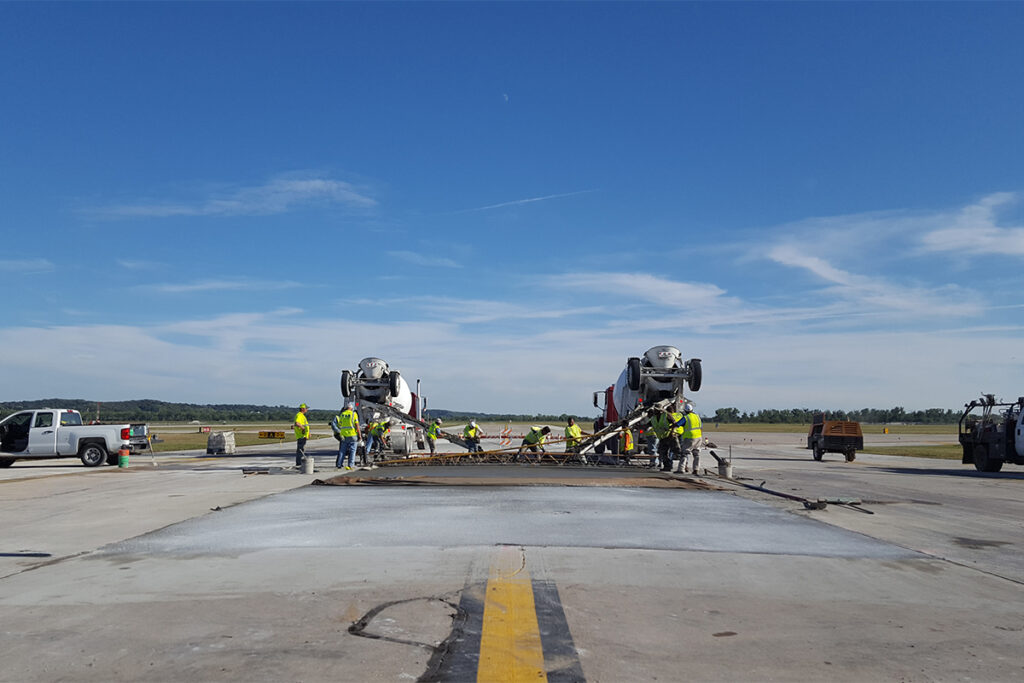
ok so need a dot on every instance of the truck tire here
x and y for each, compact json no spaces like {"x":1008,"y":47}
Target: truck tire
{"x":851,"y":455}
{"x":982,"y":461}
{"x":346,"y":383}
{"x":393,"y":382}
{"x":817,"y":453}
{"x":696,"y":375}
{"x":7,"y":462}
{"x":633,"y":374}
{"x":92,"y":454}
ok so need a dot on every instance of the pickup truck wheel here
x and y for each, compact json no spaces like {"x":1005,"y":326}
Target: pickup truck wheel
{"x":850,"y":455}
{"x":6,"y":462}
{"x":92,"y":455}
{"x":982,"y":461}
{"x":817,"y":452}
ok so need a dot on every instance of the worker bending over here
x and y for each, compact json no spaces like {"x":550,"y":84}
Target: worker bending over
{"x":433,"y":431}
{"x":534,"y":440}
{"x":379,"y":431}
{"x":472,"y":435}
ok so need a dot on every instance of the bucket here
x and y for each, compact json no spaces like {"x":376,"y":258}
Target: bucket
{"x":307,"y":465}
{"x":725,"y":469}
{"x":122,"y":457}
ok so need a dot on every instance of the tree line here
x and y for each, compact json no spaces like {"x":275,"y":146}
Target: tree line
{"x":870,"y":415}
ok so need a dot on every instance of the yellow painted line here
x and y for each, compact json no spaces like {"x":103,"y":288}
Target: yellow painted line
{"x":510,"y":647}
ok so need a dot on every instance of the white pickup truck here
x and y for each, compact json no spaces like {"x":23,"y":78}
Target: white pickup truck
{"x":59,"y":432}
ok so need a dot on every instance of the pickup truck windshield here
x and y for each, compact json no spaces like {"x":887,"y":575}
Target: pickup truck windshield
{"x":70,"y":419}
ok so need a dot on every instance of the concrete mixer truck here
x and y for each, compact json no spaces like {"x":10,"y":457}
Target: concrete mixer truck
{"x":661,"y":373}
{"x":380,"y":392}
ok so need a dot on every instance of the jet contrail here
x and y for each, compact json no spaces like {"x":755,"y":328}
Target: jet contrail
{"x":525,"y":201}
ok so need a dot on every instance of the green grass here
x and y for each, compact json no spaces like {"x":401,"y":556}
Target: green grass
{"x":943,"y":451}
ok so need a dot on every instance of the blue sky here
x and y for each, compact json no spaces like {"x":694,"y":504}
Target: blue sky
{"x":232,"y":202}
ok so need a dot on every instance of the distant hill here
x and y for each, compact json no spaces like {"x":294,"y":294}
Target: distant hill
{"x":150,"y":410}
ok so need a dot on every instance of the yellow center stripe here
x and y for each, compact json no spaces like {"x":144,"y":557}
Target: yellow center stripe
{"x":510,"y":648}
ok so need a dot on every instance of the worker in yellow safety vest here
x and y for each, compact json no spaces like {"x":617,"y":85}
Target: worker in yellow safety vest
{"x":626,"y":442}
{"x":472,"y":434}
{"x":572,"y":436}
{"x":433,"y":431}
{"x":668,"y":443}
{"x":301,"y":426}
{"x":347,"y":424}
{"x":379,"y":429}
{"x":534,"y":440}
{"x":690,"y":433}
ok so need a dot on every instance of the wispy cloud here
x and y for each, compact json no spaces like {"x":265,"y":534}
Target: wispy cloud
{"x":278,"y":195}
{"x":519,"y":202}
{"x":223,"y":286}
{"x":25,"y":266}
{"x":419,"y":259}
{"x":975,"y":230}
{"x":129,"y":264}
{"x":642,"y":287}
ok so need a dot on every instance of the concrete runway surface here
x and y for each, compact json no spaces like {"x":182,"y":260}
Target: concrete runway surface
{"x":190,"y":570}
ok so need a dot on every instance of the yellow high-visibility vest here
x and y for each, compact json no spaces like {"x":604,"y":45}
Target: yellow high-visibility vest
{"x":572,"y":435}
{"x":693,"y":425}
{"x":348,"y":424}
{"x":302,"y":428}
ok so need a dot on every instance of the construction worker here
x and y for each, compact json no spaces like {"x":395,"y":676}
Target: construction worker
{"x":301,"y":426}
{"x":347,"y":424}
{"x":472,"y":435}
{"x":662,"y":430}
{"x":433,"y":431}
{"x":690,"y":437}
{"x":626,"y":443}
{"x":534,"y":440}
{"x":379,"y":431}
{"x":676,"y":429}
{"x":572,"y":436}
{"x":373,"y":432}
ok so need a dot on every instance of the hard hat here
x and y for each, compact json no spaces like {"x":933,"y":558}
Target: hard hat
{"x":302,"y":405}
{"x":472,"y":423}
{"x":438,"y":421}
{"x":688,"y":407}
{"x":376,"y":416}
{"x":349,"y":405}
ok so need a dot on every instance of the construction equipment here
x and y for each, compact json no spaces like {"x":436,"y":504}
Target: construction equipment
{"x":376,"y":388}
{"x":834,"y":436}
{"x":993,"y":436}
{"x":660,"y":374}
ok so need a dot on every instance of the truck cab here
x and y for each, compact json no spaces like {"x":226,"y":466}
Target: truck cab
{"x":992,"y":435}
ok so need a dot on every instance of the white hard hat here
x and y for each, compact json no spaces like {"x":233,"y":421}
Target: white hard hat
{"x":349,"y":405}
{"x":438,"y":421}
{"x":472,"y":423}
{"x":688,"y":408}
{"x":376,"y":416}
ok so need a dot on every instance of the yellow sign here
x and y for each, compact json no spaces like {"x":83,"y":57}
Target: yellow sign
{"x":271,"y":435}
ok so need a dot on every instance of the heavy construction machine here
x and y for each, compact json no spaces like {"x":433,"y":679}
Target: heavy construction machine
{"x":659,"y":377}
{"x":993,"y":436}
{"x":380,"y":392}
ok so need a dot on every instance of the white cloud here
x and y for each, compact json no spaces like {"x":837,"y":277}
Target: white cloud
{"x":25,"y":266}
{"x":419,"y":259}
{"x":642,"y":287}
{"x":278,"y":195}
{"x":974,"y":230}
